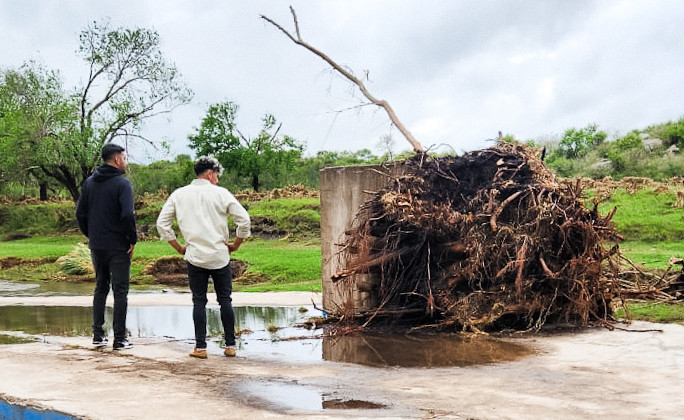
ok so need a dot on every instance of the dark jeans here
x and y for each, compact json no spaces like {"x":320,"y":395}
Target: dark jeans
{"x":223,"y":285}
{"x":112,"y":267}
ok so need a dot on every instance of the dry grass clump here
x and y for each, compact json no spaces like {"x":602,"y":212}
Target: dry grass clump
{"x":77,"y":262}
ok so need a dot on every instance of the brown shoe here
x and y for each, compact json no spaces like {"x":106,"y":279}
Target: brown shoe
{"x":199,"y":353}
{"x":229,"y":351}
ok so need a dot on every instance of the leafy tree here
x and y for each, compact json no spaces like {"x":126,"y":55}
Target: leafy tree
{"x":253,"y":158}
{"x":576,"y":143}
{"x":671,"y":132}
{"x":129,"y":81}
{"x":37,"y":124}
{"x":307,"y":171}
{"x":161,"y":176}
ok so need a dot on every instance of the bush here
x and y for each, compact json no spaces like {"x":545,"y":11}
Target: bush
{"x":32,"y":219}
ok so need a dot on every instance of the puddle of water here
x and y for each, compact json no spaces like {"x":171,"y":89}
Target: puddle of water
{"x":420,"y":351}
{"x":54,"y":288}
{"x":19,"y":412}
{"x":299,"y":397}
{"x":12,"y":288}
{"x":175,"y":323}
{"x":51,"y":320}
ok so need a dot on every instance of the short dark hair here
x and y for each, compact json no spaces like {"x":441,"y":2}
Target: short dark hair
{"x":111,"y":149}
{"x":206,"y":163}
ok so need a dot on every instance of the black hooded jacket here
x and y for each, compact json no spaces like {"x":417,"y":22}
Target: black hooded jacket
{"x":105,"y":210}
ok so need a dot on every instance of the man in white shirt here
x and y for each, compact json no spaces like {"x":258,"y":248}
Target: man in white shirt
{"x":201,"y":209}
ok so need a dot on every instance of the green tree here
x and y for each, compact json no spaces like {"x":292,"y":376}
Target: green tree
{"x":128,"y":82}
{"x":267,"y":153}
{"x":37,"y":125}
{"x":161,"y":175}
{"x":576,"y":143}
{"x":671,"y":132}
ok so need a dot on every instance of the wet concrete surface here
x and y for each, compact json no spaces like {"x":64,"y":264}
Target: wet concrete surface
{"x":293,"y":396}
{"x":584,"y":374}
{"x":270,"y":333}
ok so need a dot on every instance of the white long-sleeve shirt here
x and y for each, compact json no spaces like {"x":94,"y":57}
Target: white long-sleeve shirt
{"x":201,"y":209}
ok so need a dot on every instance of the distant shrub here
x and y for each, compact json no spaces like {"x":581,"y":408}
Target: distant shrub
{"x":31,"y":219}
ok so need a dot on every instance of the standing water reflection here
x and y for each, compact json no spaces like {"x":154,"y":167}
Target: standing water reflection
{"x":266,"y":332}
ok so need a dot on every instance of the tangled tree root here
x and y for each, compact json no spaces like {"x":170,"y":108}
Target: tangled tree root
{"x":486,"y":241}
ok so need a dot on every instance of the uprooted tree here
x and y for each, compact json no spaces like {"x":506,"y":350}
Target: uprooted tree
{"x":486,"y":241}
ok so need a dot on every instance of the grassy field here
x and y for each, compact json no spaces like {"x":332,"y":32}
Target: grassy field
{"x":654,"y":312}
{"x":646,"y":216}
{"x":653,"y":229}
{"x":288,"y":265}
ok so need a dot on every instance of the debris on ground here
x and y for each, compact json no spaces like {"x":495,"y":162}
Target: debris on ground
{"x":172,"y":270}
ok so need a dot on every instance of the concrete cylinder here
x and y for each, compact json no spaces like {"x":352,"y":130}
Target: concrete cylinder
{"x":343,"y":190}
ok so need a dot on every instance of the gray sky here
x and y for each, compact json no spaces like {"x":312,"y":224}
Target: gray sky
{"x":456,"y":72}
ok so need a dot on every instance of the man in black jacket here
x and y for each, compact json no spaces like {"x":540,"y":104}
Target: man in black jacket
{"x":106,"y":216}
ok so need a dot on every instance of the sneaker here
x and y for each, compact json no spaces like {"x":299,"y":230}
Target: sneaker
{"x":122,"y":345}
{"x":229,"y":351}
{"x":199,"y":353}
{"x":99,"y":341}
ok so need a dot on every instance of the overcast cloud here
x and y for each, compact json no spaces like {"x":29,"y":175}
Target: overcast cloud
{"x":456,"y":72}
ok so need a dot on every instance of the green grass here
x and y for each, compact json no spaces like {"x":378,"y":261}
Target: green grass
{"x":37,"y":218}
{"x":39,"y":247}
{"x":646,"y":216}
{"x":298,"y":216}
{"x":304,"y":286}
{"x":12,"y":339}
{"x":653,"y":229}
{"x":652,"y":255}
{"x":288,"y":265}
{"x":654,"y":312}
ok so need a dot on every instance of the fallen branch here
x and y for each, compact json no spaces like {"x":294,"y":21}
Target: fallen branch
{"x":350,"y":76}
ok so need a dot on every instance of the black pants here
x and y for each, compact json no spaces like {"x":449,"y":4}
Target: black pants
{"x":223,"y":285}
{"x":112,"y":267}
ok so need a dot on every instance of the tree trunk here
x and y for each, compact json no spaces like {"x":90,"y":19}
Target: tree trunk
{"x":43,"y":191}
{"x":74,"y":191}
{"x":255,"y":182}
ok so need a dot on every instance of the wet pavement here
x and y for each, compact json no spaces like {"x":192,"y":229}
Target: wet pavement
{"x":284,"y":370}
{"x":292,"y":396}
{"x":279,"y":333}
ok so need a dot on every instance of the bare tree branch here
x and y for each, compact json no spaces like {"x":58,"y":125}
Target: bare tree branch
{"x":350,"y":76}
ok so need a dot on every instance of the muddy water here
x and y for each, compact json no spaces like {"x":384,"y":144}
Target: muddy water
{"x":271,"y":333}
{"x":420,"y":351}
{"x":18,"y":288}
